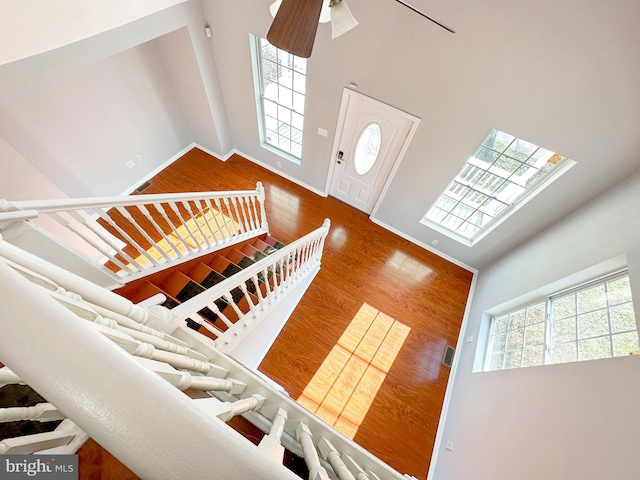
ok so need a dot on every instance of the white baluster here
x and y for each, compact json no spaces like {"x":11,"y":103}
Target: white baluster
{"x":225,"y":411}
{"x":239,"y":217}
{"x":232,"y":326}
{"x":252,"y":307}
{"x":146,"y":350}
{"x":145,"y":211}
{"x":331,"y":455}
{"x":225,"y":217}
{"x":42,"y":412}
{"x":215,"y":220}
{"x":263,"y":212}
{"x":90,"y":225}
{"x":271,"y":443}
{"x":107,"y":218}
{"x":187,"y":206}
{"x":316,"y":470}
{"x":174,"y":229}
{"x":7,"y":377}
{"x":261,"y":300}
{"x":203,"y":215}
{"x":229,"y":298}
{"x":210,"y":328}
{"x":125,"y":213}
{"x":184,"y":380}
{"x":176,"y":210}
{"x":267,"y":285}
{"x":55,"y":216}
{"x":249,"y":213}
{"x":354,"y":468}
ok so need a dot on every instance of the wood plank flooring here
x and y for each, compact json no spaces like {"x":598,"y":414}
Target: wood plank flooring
{"x":362,"y":263}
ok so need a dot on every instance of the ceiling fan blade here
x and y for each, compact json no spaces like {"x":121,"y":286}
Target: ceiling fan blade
{"x":294,"y":28}
{"x":420,"y":12}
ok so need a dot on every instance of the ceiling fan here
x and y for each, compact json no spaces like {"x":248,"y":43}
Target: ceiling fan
{"x":296,"y":22}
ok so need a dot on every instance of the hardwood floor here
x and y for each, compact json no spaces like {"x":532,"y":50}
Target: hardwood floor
{"x":362,"y":263}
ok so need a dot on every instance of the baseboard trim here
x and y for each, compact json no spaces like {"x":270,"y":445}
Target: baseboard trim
{"x":158,"y":169}
{"x":423,"y":245}
{"x":437,"y":446}
{"x":279,"y":172}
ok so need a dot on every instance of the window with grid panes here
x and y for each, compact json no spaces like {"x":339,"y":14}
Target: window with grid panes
{"x":501,"y":172}
{"x":280,"y":95}
{"x":589,"y":322}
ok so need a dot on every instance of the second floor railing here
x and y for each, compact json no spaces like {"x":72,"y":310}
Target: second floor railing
{"x":116,"y":371}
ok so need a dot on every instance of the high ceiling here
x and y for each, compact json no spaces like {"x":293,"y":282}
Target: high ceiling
{"x":562,"y":74}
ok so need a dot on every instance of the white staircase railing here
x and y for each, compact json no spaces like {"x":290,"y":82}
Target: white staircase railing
{"x":120,"y":382}
{"x":130,"y":237}
{"x":261,"y":285}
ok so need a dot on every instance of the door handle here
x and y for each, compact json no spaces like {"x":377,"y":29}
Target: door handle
{"x":340,"y":155}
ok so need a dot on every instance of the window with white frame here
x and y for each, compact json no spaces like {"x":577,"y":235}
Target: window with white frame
{"x":501,"y":173}
{"x":595,"y":320}
{"x":280,"y":84}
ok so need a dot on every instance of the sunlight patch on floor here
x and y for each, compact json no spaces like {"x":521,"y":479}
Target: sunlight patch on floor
{"x":344,"y":387}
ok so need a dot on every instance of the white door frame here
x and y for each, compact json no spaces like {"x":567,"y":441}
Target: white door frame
{"x":347,"y":94}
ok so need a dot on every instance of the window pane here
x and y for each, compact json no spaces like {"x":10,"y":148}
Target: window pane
{"x":592,"y":299}
{"x":498,"y":343}
{"x":485,"y":156}
{"x":564,"y":353}
{"x":563,"y":307}
{"x":495,"y":361}
{"x":282,"y":89}
{"x":537,"y":313}
{"x":563,"y":330}
{"x":516,"y":319}
{"x":515,"y":339}
{"x":533,"y":356}
{"x":520,"y":150}
{"x":594,"y":348}
{"x":623,"y":318}
{"x":513,"y":359}
{"x":499,"y":173}
{"x":501,"y":324}
{"x":593,"y":324}
{"x":624,"y":344}
{"x":619,"y":291}
{"x":534,"y":334}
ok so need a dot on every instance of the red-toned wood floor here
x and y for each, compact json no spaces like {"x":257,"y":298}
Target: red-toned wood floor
{"x":362,"y":263}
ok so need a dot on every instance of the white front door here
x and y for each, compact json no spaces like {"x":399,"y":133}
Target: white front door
{"x":372,"y":137}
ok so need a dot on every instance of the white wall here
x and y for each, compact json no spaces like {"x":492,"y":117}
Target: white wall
{"x":80,"y":112}
{"x":30,"y":27}
{"x":570,"y":421}
{"x":81,"y":129}
{"x":556,"y":73}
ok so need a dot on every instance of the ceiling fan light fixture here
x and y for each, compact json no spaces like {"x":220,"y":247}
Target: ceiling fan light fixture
{"x":325,"y":13}
{"x":342,"y":20}
{"x":273,"y":8}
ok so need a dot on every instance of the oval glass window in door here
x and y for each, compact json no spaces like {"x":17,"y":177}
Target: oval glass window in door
{"x":367,"y":149}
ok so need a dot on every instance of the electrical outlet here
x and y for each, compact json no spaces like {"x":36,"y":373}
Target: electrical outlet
{"x":469,"y":339}
{"x":449,"y":445}
{"x":138,"y":157}
{"x":279,"y":164}
{"x":131,"y":164}
{"x":322,"y":132}
{"x":434,"y":242}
